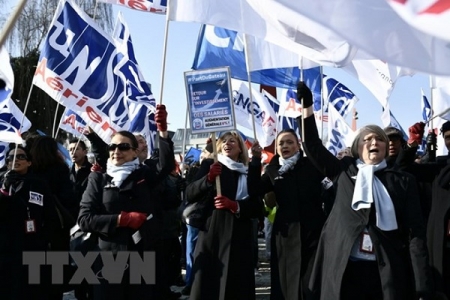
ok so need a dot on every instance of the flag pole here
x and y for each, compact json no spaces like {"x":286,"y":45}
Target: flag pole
{"x":303,"y":119}
{"x":54,"y":121}
{"x":249,"y":79}
{"x":321,"y":102}
{"x":213,"y":141}
{"x":163,"y":67}
{"x":183,"y":149}
{"x":8,"y":26}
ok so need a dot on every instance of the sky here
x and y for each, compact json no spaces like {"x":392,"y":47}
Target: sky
{"x":148,"y":34}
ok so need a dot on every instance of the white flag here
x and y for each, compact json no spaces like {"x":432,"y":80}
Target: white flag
{"x":441,"y":97}
{"x":430,"y":16}
{"x":6,"y":72}
{"x":307,"y":38}
{"x":264,"y":115}
{"x":377,"y":76}
{"x":326,"y":31}
{"x":340,"y":135}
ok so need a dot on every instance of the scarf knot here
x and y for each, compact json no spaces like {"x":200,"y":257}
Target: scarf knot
{"x":369,"y":189}
{"x":242,"y":191}
{"x":120,"y":173}
{"x":288,"y":163}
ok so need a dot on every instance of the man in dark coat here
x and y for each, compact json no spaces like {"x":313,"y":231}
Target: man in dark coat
{"x":81,"y":167}
{"x":438,"y":231}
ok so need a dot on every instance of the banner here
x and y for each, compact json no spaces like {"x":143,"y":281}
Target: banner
{"x":93,"y":74}
{"x":153,"y":6}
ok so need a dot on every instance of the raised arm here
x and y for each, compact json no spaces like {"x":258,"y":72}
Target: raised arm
{"x":326,"y":162}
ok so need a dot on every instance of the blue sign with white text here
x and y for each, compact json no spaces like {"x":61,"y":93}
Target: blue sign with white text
{"x":210,"y":100}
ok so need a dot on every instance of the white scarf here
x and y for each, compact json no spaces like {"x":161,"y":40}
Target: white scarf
{"x":242,"y":191}
{"x":119,"y":173}
{"x":369,"y":189}
{"x":288,"y":163}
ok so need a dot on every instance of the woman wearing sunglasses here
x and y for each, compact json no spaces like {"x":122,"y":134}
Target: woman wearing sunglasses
{"x":27,"y":217}
{"x":123,"y":207}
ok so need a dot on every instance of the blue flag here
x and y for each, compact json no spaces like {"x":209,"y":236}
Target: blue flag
{"x":192,"y":156}
{"x":426,"y":108}
{"x":229,"y":52}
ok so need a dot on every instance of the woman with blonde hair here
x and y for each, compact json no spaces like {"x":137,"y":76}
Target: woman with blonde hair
{"x":223,"y":259}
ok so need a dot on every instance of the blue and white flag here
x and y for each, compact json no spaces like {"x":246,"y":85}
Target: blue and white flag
{"x":10,"y":115}
{"x":218,"y":47}
{"x":264,"y":115}
{"x":426,"y":108}
{"x":94,"y":74}
{"x":153,"y":6}
{"x":340,"y":135}
{"x":337,"y":95}
{"x":72,"y":123}
{"x":396,"y":124}
{"x":10,"y":118}
{"x":6,"y":72}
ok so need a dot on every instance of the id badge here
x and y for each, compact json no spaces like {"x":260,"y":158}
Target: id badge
{"x":448,"y":228}
{"x":30,"y":226}
{"x":366,"y":245}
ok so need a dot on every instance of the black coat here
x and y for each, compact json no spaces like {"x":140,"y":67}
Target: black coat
{"x":297,"y":226}
{"x":139,"y":192}
{"x":101,"y":205}
{"x":14,"y":239}
{"x":79,"y":178}
{"x":438,"y":224}
{"x":401,"y":254}
{"x":223,"y":259}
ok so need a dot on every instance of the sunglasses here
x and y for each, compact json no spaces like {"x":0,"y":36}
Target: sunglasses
{"x":18,"y":157}
{"x":121,"y":147}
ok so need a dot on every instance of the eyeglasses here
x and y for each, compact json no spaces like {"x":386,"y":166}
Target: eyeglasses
{"x":121,"y":147}
{"x":18,"y":157}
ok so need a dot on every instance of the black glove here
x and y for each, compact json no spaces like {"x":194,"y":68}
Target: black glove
{"x":10,"y":178}
{"x":181,"y":185}
{"x":304,"y":92}
{"x":431,"y":146}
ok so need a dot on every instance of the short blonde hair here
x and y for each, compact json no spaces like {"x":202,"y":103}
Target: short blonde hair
{"x":243,"y":156}
{"x":369,"y":129}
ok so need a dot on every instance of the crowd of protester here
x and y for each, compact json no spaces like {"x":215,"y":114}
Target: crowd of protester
{"x":372,"y":222}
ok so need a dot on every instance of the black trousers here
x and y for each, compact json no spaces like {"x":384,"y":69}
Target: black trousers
{"x":361,"y":281}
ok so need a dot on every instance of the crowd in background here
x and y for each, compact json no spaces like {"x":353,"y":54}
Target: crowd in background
{"x":372,"y":222}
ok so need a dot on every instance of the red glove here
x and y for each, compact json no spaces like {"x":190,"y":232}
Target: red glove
{"x":223,"y":202}
{"x":416,"y":133}
{"x":96,"y":168}
{"x":132,"y":219}
{"x":161,"y":117}
{"x":214,"y":170}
